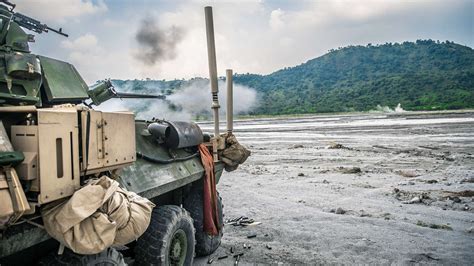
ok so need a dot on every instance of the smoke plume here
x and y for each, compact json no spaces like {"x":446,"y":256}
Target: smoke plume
{"x":387,"y":109}
{"x":190,"y":102}
{"x":157,"y":44}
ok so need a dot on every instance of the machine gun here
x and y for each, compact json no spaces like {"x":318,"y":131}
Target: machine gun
{"x":34,"y":25}
{"x":30,"y":23}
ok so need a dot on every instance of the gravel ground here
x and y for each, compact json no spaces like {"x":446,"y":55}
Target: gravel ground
{"x":353,"y":189}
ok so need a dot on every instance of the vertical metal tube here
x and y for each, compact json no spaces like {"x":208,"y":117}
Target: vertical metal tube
{"x":230,"y":101}
{"x":211,"y":54}
{"x":211,"y":49}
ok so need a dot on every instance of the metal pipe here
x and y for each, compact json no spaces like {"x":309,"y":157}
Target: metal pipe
{"x":158,"y":130}
{"x":230,"y":101}
{"x":211,"y":54}
{"x":211,"y":49}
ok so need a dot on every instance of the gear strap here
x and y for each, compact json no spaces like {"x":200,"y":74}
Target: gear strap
{"x":16,"y":194}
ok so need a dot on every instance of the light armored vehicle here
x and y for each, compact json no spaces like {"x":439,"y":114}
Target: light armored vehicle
{"x":79,"y":186}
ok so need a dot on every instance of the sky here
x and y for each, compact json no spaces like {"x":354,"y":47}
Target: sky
{"x":165,"y":39}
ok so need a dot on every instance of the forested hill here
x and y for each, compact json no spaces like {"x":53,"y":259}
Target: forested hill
{"x":425,"y":75}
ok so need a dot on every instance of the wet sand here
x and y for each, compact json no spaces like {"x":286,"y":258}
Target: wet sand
{"x":353,"y":189}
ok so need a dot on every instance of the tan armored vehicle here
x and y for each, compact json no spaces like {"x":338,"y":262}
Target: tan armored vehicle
{"x":85,"y":187}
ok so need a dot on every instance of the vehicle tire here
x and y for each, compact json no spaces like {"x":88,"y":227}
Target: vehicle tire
{"x":168,"y":240}
{"x":205,"y":244}
{"x":108,"y":257}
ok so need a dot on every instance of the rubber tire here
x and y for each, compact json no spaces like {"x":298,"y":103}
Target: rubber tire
{"x":108,"y":257}
{"x":205,"y":244}
{"x":152,"y":247}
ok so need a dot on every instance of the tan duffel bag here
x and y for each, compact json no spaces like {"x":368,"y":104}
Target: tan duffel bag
{"x":97,"y":216}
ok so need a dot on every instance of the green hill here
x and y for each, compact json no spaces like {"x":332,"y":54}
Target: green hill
{"x":425,"y":75}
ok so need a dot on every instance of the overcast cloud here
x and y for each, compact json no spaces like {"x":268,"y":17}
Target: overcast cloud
{"x":258,"y":36}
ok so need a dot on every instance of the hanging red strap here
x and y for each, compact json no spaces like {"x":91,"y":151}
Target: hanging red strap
{"x":211,"y":221}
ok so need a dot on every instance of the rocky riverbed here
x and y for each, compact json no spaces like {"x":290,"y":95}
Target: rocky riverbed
{"x":354,"y":189}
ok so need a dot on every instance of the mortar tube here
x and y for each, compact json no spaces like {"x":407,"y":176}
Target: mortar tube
{"x":230,"y":101}
{"x":211,"y":54}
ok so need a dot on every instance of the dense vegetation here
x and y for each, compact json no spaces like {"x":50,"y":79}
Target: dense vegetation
{"x":425,"y":75}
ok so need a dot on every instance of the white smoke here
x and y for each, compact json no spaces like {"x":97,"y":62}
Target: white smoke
{"x":190,"y":102}
{"x":399,"y":108}
{"x":386,"y":109}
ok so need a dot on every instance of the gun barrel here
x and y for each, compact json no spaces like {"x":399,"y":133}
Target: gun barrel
{"x":60,"y":31}
{"x":127,"y":95}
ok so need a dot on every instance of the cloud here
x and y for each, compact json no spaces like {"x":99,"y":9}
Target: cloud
{"x":58,"y":10}
{"x":85,"y":53}
{"x":261,"y":37}
{"x":85,"y":42}
{"x":110,"y":23}
{"x":251,"y":36}
{"x":276,"y":19}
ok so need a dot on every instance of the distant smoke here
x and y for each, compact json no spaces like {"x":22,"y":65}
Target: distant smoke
{"x":399,"y":108}
{"x":386,"y":109}
{"x":195,"y":98}
{"x":157,"y":44}
{"x":188,"y":103}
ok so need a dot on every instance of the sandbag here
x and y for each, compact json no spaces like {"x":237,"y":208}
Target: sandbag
{"x":98,"y":216}
{"x":233,"y":154}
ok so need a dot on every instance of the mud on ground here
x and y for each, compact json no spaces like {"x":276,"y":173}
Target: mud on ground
{"x":363,"y":188}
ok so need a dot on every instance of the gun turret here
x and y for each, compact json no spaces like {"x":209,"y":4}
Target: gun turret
{"x":104,"y":90}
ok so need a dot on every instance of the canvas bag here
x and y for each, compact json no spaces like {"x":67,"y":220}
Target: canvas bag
{"x":233,"y":154}
{"x":97,"y":216}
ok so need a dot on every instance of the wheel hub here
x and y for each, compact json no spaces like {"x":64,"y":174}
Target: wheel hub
{"x":178,"y":248}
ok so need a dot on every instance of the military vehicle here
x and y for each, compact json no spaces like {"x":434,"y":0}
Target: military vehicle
{"x":81,"y":186}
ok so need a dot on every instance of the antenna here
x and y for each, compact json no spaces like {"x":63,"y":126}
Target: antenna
{"x":230,"y":101}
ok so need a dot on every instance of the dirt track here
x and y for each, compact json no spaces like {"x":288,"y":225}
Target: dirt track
{"x":404,"y":205}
